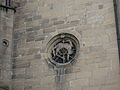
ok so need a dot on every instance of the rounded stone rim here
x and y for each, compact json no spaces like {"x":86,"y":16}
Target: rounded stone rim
{"x":71,"y":37}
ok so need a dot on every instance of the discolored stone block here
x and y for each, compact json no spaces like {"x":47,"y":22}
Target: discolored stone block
{"x":58,"y":22}
{"x":38,"y":56}
{"x":100,"y":6}
{"x":28,"y":88}
{"x":21,"y":65}
{"x":39,"y":38}
{"x":31,"y":36}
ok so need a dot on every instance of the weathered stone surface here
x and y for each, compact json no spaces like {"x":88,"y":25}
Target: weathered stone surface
{"x":18,"y":35}
{"x":44,"y":21}
{"x":37,"y":17}
{"x":49,"y":30}
{"x":39,"y":38}
{"x":33,"y":28}
{"x":96,"y":67}
{"x":58,"y":22}
{"x":38,"y":56}
{"x":6,"y":32}
{"x":69,"y":25}
{"x":28,"y":19}
{"x":28,"y":88}
{"x":21,"y":76}
{"x":21,"y":65}
{"x":31,"y":36}
{"x":100,"y":6}
{"x":46,"y":25}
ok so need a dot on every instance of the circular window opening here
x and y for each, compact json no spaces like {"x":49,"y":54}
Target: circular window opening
{"x":62,"y":49}
{"x":5,"y":43}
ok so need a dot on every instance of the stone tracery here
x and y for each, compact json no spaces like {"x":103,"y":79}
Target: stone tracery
{"x":63,"y":49}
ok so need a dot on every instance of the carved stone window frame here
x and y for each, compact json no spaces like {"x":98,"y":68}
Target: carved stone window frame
{"x":53,"y":36}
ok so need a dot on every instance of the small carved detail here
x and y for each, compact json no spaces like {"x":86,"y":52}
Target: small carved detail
{"x":63,"y":51}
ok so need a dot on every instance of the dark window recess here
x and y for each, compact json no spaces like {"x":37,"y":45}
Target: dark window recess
{"x":7,"y":5}
{"x":117,"y":20}
{"x":8,"y":2}
{"x":5,"y":43}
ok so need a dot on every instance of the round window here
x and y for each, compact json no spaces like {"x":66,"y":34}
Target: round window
{"x":62,"y":49}
{"x":5,"y":43}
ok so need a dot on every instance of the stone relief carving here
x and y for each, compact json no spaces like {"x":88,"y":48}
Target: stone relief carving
{"x":62,"y":49}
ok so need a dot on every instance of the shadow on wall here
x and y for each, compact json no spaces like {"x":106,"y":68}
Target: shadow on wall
{"x":4,"y":88}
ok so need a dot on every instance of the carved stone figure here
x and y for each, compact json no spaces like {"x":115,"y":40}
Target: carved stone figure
{"x":63,"y":50}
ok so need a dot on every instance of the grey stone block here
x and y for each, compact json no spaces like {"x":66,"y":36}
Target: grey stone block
{"x":44,"y":21}
{"x":37,"y":56}
{"x":31,"y":36}
{"x":47,"y":25}
{"x":32,"y":51}
{"x":33,"y":28}
{"x":28,"y":88}
{"x":28,"y":19}
{"x":75,"y":22}
{"x":39,"y":38}
{"x":37,"y":28}
{"x":100,"y":6}
{"x":15,"y":54}
{"x":63,"y":26}
{"x":58,"y":22}
{"x":18,"y":35}
{"x":96,"y":48}
{"x":29,"y":29}
{"x":21,"y":76}
{"x":37,"y":17}
{"x":30,"y":39}
{"x":49,"y":30}
{"x":54,"y":19}
{"x":15,"y":44}
{"x":21,"y":65}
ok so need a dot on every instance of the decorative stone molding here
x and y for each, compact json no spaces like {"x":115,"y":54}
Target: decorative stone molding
{"x":62,"y":48}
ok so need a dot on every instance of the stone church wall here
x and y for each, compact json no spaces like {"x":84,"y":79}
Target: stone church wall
{"x":6,"y":31}
{"x":92,"y":22}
